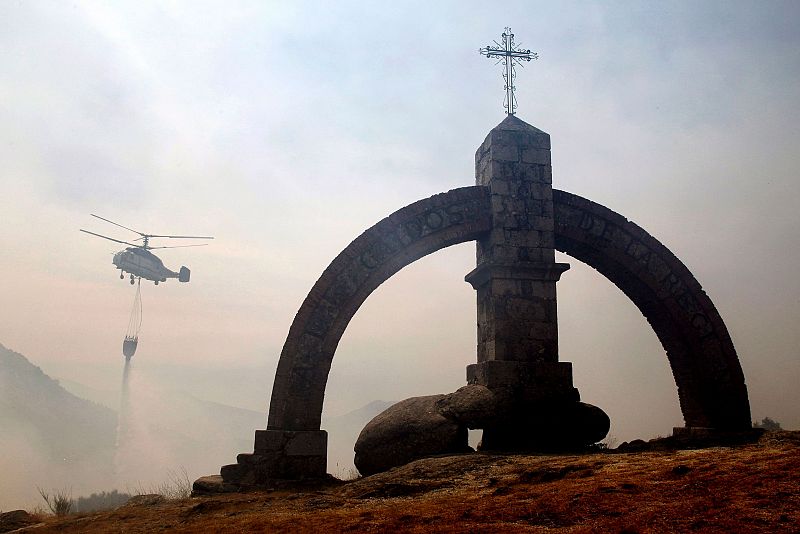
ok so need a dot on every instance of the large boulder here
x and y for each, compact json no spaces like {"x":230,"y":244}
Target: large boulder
{"x":16,"y":519}
{"x":409,"y":430}
{"x":472,"y":405}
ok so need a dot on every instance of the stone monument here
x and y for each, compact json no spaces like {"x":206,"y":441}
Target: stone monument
{"x":518,"y":391}
{"x":515,"y":279}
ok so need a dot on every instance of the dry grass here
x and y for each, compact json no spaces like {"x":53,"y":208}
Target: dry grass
{"x":753,"y":488}
{"x":38,"y":513}
{"x":176,"y":487}
{"x":59,"y":501}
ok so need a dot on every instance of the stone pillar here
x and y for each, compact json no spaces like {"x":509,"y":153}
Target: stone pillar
{"x":516,"y":273}
{"x":515,"y":279}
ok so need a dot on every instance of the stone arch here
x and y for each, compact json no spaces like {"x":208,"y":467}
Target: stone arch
{"x":372,"y":258}
{"x":704,"y":364}
{"x":710,"y":381}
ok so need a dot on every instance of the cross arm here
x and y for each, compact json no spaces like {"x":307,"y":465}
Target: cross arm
{"x":497,"y":52}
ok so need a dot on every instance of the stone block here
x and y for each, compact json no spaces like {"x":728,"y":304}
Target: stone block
{"x":535,"y":155}
{"x":543,"y":224}
{"x":212,"y":484}
{"x":530,"y":254}
{"x":520,"y":310}
{"x":516,"y":238}
{"x":302,"y":467}
{"x":503,"y":286}
{"x":500,"y":152}
{"x":544,"y":331}
{"x":233,"y":473}
{"x":280,"y":454}
{"x":498,"y":374}
{"x":307,"y":443}
{"x":499,"y":187}
{"x":269,"y":440}
{"x":291,"y":442}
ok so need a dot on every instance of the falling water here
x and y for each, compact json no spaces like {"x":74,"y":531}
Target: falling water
{"x":122,"y":416}
{"x":128,"y":349}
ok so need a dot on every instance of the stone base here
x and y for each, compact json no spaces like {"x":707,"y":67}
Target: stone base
{"x":547,"y":427}
{"x":280,"y":455}
{"x":212,"y":484}
{"x":527,"y":382}
{"x":541,"y":408}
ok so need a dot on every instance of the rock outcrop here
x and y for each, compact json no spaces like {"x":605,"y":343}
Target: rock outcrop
{"x":411,"y":429}
{"x":437,"y":424}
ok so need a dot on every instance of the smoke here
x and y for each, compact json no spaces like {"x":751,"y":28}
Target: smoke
{"x":27,"y":463}
{"x":144,"y":450}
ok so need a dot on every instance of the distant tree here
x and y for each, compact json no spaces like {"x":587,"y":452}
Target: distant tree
{"x":102,"y":501}
{"x":767,"y":424}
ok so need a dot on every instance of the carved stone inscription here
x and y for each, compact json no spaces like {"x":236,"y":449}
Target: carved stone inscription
{"x":704,"y":362}
{"x":706,"y":369}
{"x":707,"y":372}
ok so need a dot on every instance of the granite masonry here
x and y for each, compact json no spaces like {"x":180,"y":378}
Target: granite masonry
{"x":517,"y":220}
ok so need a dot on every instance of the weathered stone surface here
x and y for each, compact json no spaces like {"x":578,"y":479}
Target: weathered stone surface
{"x":292,"y":443}
{"x":521,"y":220}
{"x":704,"y":362}
{"x":472,"y":405}
{"x":583,"y":229}
{"x":425,"y":426}
{"x":212,"y":484}
{"x":280,"y":455}
{"x":515,"y":280}
{"x":516,"y":273}
{"x":16,"y":519}
{"x":406,"y":431}
{"x":525,"y":382}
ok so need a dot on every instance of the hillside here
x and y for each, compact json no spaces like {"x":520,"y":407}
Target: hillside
{"x":49,"y":436}
{"x":751,"y":488}
{"x":52,"y":437}
{"x":69,"y":427}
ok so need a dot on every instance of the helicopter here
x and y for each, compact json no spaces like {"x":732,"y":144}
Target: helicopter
{"x":139,"y":262}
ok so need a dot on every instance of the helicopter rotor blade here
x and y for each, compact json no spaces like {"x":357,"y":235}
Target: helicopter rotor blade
{"x":181,"y":236}
{"x":117,"y":224}
{"x":111,"y":238}
{"x":179,"y":246}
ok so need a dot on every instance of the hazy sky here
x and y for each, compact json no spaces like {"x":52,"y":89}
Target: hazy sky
{"x":287,"y":128}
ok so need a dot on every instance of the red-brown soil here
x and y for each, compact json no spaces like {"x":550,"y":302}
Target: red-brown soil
{"x":749,"y":488}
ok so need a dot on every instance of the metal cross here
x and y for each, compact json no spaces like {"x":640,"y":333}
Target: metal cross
{"x":511,"y":56}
